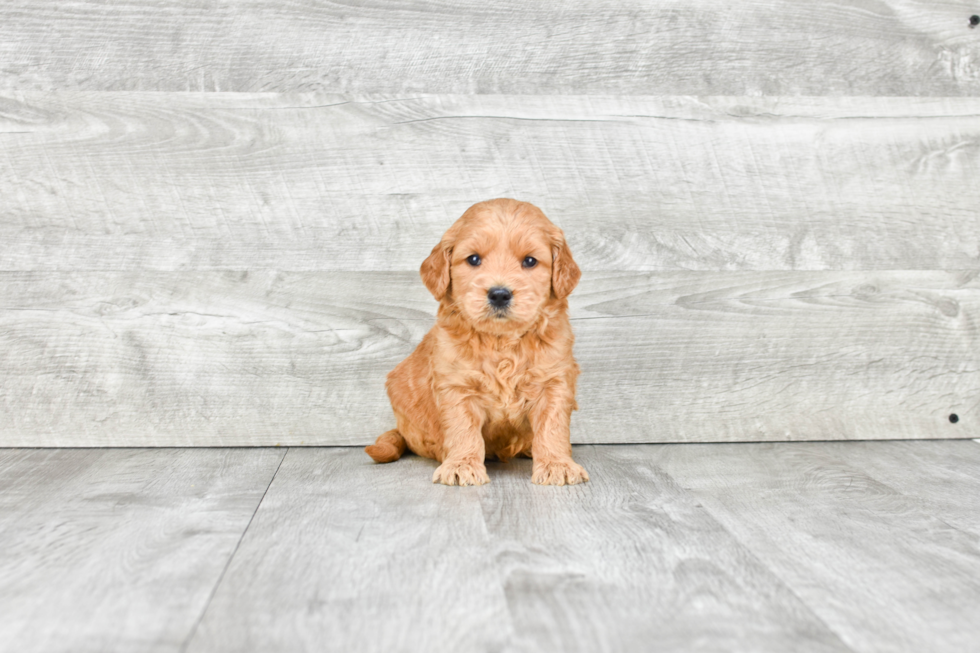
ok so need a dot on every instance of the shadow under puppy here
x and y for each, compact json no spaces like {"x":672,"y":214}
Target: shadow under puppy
{"x":495,"y":376}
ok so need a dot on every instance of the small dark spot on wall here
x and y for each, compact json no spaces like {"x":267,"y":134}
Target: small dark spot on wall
{"x":954,"y":418}
{"x":974,"y":21}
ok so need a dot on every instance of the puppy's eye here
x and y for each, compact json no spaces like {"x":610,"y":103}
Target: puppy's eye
{"x":529,"y":262}
{"x":474,"y":260}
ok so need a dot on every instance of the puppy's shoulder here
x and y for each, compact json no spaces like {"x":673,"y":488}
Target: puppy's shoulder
{"x":416,"y":365}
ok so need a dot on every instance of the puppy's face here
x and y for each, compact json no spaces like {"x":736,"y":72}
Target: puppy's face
{"x":501,"y":274}
{"x":500,"y":264}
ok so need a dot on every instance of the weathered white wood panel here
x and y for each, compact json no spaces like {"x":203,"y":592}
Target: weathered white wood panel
{"x":879,"y":566}
{"x":346,"y":555}
{"x":317,"y":182}
{"x":745,"y":47}
{"x":693,"y":357}
{"x":119,"y":550}
{"x":261,"y":358}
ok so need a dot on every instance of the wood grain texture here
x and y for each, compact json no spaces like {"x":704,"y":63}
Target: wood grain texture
{"x":875,"y":562}
{"x":941,"y":475}
{"x":780,"y":356}
{"x":262,"y":358}
{"x":324,"y":182}
{"x":750,"y":47}
{"x":346,"y":555}
{"x":118,"y":550}
{"x":630,"y":559}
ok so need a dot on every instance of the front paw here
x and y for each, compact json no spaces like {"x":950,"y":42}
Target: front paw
{"x":461,"y":472}
{"x":558,"y":472}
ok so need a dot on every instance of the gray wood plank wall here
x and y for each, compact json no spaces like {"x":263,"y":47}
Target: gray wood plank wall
{"x":775,"y":206}
{"x":670,"y":47}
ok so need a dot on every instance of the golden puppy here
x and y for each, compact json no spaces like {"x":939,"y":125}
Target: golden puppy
{"x":495,"y":376}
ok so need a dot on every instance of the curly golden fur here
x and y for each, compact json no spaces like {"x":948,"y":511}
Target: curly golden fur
{"x":495,"y":376}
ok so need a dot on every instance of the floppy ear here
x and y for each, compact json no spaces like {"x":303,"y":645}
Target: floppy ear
{"x":564,"y":271}
{"x":435,"y":269}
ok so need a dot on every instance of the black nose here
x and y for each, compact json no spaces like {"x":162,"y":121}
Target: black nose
{"x":499,"y":297}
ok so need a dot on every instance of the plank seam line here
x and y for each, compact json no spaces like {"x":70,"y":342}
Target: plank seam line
{"x":750,"y":551}
{"x":221,"y":577}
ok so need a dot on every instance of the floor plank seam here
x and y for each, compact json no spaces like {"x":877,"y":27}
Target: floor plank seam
{"x":751,"y":552}
{"x":238,"y":544}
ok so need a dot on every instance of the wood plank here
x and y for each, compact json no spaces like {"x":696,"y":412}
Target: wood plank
{"x":876,"y":565}
{"x":263,"y":358}
{"x":941,"y":475}
{"x":751,"y":47}
{"x":346,"y":555}
{"x":202,"y":358}
{"x":118,"y":550}
{"x":779,"y":356}
{"x":325,"y":182}
{"x":628,"y":559}
{"x":510,"y":566}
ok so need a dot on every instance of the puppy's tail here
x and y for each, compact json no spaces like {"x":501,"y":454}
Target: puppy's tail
{"x":388,"y":448}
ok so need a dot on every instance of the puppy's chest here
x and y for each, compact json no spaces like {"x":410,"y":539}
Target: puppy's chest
{"x":507,"y":383}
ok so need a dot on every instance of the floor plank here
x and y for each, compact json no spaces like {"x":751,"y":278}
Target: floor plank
{"x":118,"y":550}
{"x":750,"y":47}
{"x":941,"y":476}
{"x":737,"y":547}
{"x":631,"y":562}
{"x":878,"y":565}
{"x":148,"y":358}
{"x":346,"y":555}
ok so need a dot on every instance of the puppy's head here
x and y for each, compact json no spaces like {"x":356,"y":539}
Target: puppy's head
{"x":500,"y":264}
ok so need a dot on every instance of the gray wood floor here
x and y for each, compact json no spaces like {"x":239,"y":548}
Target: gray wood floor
{"x":830,"y":546}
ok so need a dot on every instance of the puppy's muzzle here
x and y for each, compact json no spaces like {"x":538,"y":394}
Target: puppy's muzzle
{"x":499,"y":298}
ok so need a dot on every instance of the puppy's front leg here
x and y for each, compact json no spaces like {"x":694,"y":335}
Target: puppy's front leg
{"x":464,"y":451}
{"x":551,"y":447}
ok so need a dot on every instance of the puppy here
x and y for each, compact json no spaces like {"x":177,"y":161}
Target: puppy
{"x":495,"y":376}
